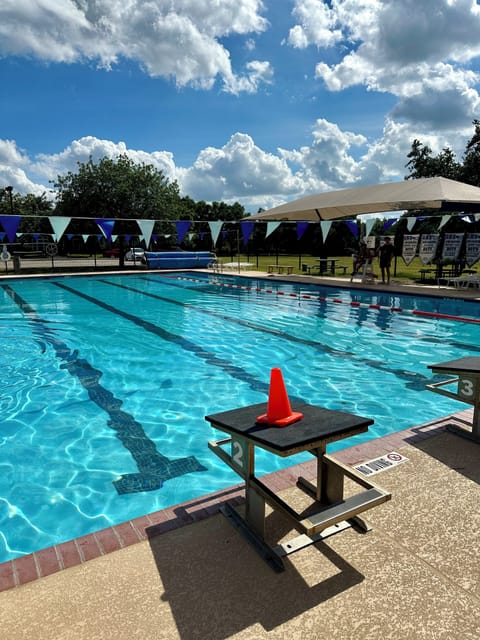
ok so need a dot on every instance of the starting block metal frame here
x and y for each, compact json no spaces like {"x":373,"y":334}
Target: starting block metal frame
{"x":333,"y":513}
{"x":466,"y":372}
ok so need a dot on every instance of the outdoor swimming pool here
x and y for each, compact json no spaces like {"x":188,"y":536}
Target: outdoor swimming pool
{"x":106,"y":381}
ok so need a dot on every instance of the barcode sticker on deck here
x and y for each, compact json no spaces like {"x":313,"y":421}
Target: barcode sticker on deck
{"x":380,"y":464}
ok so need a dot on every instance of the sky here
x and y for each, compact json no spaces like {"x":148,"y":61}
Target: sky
{"x":252,"y":101}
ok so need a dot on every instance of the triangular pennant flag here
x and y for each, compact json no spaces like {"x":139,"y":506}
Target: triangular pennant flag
{"x":70,"y":236}
{"x":106,"y":227}
{"x":369,"y":225}
{"x":182,"y":227}
{"x":155,"y":237}
{"x":10,"y":224}
{"x":325,"y":226}
{"x":271,"y":226}
{"x":467,"y":219}
{"x":85,"y":236}
{"x":477,"y":217}
{"x":36,"y":236}
{"x":146,"y":227}
{"x":224,"y":234}
{"x":389,"y":223}
{"x":215,"y":228}
{"x":301,"y":228}
{"x":59,"y":224}
{"x":114,"y":237}
{"x":411,"y":223}
{"x":353,"y":226}
{"x":247,"y":229}
{"x":444,"y":221}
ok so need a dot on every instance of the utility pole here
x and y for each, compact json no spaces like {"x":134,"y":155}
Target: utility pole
{"x":9,"y":191}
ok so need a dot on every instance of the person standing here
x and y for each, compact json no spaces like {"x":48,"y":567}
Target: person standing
{"x":385,"y":255}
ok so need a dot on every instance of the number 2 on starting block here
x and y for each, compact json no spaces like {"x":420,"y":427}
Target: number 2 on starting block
{"x":240,"y":456}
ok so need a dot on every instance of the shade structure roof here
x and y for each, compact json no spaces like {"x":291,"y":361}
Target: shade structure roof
{"x":423,"y":193}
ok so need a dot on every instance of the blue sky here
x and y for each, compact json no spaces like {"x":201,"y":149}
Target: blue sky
{"x":237,"y":100}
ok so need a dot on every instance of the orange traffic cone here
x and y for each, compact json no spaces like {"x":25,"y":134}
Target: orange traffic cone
{"x":279,"y":412}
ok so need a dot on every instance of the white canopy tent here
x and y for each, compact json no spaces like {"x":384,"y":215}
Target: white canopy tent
{"x":424,"y":193}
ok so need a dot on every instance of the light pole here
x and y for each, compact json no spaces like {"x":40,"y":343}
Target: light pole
{"x":9,"y":191}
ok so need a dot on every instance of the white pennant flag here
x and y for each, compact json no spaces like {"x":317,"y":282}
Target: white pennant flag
{"x":444,"y":221}
{"x":368,"y":225}
{"x":146,"y":227}
{"x":59,"y":224}
{"x":411,"y":223}
{"x":325,"y":226}
{"x":271,"y":226}
{"x":215,"y":228}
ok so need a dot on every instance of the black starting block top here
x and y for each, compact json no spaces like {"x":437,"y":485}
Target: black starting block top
{"x":318,"y":425}
{"x":469,"y":364}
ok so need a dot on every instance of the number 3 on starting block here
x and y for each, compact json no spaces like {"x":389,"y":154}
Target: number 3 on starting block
{"x":467,"y":389}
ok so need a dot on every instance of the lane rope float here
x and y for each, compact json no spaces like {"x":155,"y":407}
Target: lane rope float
{"x":352,"y":303}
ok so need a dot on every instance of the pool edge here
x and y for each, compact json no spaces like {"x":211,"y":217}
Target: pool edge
{"x":19,"y":571}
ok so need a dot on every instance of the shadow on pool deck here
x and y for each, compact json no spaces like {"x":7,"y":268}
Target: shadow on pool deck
{"x":415,"y":575}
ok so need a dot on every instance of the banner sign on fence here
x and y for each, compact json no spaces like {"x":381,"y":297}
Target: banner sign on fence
{"x":409,"y":248}
{"x":452,"y":243}
{"x":473,"y":248}
{"x":428,"y":247}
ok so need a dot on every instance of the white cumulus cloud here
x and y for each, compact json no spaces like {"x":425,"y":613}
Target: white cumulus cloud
{"x":240,"y":170}
{"x":179,"y":40}
{"x":417,"y":51}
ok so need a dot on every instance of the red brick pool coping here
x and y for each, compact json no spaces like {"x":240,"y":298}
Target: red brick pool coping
{"x":40,"y":564}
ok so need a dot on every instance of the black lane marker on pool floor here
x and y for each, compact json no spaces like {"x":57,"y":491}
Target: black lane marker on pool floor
{"x":412,"y":379}
{"x":153,"y":467}
{"x":243,"y":323}
{"x":187,"y":345}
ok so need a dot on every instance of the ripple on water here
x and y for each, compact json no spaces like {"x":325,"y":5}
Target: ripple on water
{"x":85,"y":390}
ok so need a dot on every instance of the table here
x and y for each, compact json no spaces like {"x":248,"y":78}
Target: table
{"x":237,"y":265}
{"x":467,"y":380}
{"x":324,"y":262}
{"x":281,"y":268}
{"x":318,"y":427}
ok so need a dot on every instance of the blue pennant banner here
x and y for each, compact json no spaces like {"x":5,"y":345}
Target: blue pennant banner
{"x":10,"y":225}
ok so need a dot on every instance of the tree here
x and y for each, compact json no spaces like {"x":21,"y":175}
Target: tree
{"x":471,"y":158}
{"x":423,"y":164}
{"x":31,"y":205}
{"x":117,"y":188}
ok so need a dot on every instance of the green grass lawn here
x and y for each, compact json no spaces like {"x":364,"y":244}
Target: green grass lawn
{"x":402,"y":273}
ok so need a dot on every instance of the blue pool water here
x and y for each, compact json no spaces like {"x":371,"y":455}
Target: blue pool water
{"x":106,"y":381}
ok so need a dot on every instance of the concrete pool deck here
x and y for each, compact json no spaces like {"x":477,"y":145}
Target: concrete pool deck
{"x":415,"y":575}
{"x":187,"y":573}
